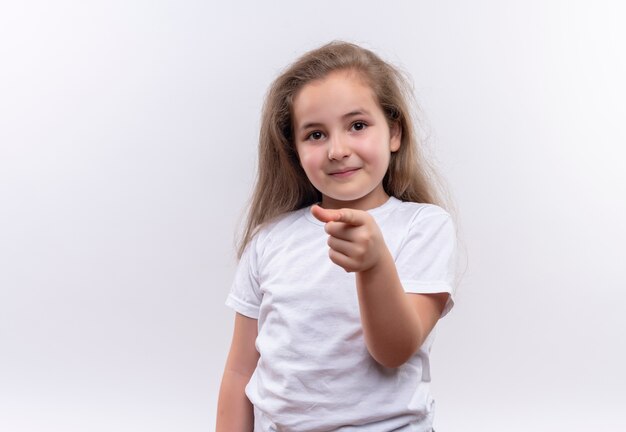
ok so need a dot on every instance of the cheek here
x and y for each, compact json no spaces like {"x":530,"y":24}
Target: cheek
{"x":308,"y":158}
{"x":377,"y":155}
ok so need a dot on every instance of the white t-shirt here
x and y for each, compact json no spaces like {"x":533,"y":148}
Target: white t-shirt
{"x":315,"y":372}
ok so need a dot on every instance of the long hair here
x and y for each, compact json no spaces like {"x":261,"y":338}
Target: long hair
{"x":282,"y":185}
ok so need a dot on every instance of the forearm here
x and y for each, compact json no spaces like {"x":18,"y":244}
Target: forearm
{"x":234,"y":410}
{"x":391,"y":326}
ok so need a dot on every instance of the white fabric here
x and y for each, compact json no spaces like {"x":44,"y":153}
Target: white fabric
{"x":314,"y":371}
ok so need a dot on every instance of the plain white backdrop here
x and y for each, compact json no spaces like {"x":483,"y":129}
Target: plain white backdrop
{"x":127,"y":154}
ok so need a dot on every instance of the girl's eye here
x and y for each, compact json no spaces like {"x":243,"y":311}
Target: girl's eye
{"x":315,"y":136}
{"x":357,"y":126}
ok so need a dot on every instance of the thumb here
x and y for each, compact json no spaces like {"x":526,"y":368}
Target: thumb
{"x":325,"y":215}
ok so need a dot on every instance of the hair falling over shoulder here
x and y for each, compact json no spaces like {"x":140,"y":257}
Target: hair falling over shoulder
{"x":282,"y":186}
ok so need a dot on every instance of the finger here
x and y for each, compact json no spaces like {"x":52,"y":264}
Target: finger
{"x":340,"y":230}
{"x":341,"y":260}
{"x":352,"y":216}
{"x":325,"y":215}
{"x":344,"y":247}
{"x":346,"y":215}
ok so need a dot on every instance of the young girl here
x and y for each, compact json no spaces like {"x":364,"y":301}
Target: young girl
{"x":346,"y":263}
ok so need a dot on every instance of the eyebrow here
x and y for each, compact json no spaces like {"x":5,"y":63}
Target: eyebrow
{"x":356,"y":112}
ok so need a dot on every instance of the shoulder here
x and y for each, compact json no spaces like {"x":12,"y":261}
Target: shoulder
{"x":423,"y":209}
{"x":282,"y":223}
{"x":426,"y":248}
{"x":408,"y":213}
{"x":278,"y":228}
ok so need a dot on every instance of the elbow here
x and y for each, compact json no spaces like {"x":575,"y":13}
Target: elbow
{"x":393,"y":364}
{"x":394,"y":358}
{"x":393,"y":349}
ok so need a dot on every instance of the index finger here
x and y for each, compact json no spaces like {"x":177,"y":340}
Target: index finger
{"x":324,"y":215}
{"x":351,"y":216}
{"x":345,"y":215}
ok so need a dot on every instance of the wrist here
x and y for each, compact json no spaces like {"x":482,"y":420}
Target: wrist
{"x":383,"y":263}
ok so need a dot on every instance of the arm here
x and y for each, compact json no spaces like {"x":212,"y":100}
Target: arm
{"x":234,"y":410}
{"x":395,"y":324}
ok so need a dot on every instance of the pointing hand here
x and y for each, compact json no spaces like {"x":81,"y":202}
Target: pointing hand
{"x":355,"y":241}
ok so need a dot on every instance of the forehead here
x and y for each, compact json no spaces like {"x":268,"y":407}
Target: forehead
{"x":336,"y":94}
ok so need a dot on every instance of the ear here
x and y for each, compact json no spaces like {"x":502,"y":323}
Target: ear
{"x":395,"y":137}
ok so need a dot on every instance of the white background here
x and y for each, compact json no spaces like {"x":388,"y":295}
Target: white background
{"x":127,"y":154}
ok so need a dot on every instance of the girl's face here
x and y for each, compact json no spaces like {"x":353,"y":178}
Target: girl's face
{"x":343,"y":140}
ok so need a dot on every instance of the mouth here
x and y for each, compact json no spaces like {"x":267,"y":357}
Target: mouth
{"x":344,"y":172}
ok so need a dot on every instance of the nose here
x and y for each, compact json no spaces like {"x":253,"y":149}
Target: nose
{"x":338,"y":148}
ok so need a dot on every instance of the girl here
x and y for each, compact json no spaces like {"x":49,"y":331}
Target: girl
{"x":346,"y":263}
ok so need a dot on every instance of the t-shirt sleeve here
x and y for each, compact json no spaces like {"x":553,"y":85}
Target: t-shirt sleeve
{"x":245,"y":295}
{"x":427,"y":258}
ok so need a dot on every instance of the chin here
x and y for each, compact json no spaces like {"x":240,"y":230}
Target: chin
{"x":346,"y":197}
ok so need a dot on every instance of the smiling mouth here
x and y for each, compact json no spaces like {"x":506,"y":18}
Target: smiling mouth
{"x":344,"y":172}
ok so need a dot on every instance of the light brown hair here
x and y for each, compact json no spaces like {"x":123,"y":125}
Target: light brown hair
{"x":281,"y":184}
